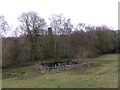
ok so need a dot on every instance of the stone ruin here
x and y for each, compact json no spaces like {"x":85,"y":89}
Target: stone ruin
{"x":58,"y":65}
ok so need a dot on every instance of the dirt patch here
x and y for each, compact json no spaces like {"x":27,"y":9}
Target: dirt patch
{"x":21,"y":75}
{"x":33,"y":74}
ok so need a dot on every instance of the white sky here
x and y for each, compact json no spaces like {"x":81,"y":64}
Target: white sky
{"x":94,"y":12}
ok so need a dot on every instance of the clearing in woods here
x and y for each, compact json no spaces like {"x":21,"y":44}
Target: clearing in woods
{"x":103,"y":76}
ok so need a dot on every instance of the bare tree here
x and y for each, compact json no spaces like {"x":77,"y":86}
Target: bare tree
{"x":80,"y":27}
{"x":62,"y":28}
{"x":68,"y":27}
{"x":57,"y":23}
{"x":4,"y":27}
{"x":33,"y":26}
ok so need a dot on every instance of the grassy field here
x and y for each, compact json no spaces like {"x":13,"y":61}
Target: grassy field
{"x":103,"y":76}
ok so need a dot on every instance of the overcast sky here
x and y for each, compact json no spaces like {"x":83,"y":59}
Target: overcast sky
{"x":94,"y":12}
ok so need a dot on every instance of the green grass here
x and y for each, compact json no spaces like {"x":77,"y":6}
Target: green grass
{"x":18,"y":70}
{"x":108,"y":57}
{"x":105,"y":75}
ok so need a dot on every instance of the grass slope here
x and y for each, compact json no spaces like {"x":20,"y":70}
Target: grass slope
{"x":105,"y":75}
